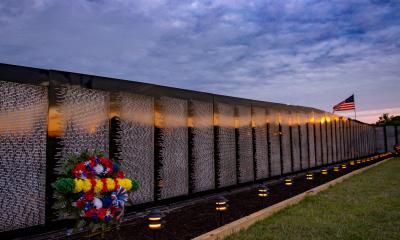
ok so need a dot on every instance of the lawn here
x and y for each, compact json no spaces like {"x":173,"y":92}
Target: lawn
{"x":365,"y":206}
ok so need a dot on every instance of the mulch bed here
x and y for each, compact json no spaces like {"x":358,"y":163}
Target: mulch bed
{"x":199,"y":218}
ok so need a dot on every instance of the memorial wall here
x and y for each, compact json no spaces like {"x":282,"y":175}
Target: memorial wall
{"x":177,"y":143}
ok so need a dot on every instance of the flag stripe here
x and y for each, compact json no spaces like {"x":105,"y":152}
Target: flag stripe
{"x":347,"y":104}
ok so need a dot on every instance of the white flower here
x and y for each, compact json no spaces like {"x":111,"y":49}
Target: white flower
{"x":97,"y":203}
{"x":98,"y":169}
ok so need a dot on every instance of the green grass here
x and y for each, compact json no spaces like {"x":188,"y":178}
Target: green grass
{"x":365,"y":206}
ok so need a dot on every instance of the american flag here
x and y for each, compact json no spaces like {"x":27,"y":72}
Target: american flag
{"x":347,"y":104}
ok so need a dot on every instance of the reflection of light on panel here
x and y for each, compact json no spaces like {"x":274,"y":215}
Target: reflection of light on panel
{"x":174,"y":145}
{"x":323,"y":141}
{"x":261,"y":154}
{"x":23,"y":126}
{"x":245,"y":144}
{"x":345,"y":141}
{"x":296,"y":147}
{"x":328,"y":140}
{"x":84,"y":120}
{"x":226,"y":144}
{"x":341,"y":135}
{"x":304,"y":146}
{"x":203,"y":145}
{"x":311,"y":144}
{"x":334,"y":138}
{"x":287,"y":164}
{"x":318,"y":143}
{"x":136,"y":143}
{"x":274,"y":139}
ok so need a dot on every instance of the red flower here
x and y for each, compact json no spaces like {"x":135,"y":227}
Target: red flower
{"x":80,"y":166}
{"x":77,"y":171}
{"x":101,"y":213}
{"x":89,"y":196}
{"x":89,"y":174}
{"x":119,"y":174}
{"x":80,"y":203}
{"x":106,"y":162}
{"x":89,"y":213}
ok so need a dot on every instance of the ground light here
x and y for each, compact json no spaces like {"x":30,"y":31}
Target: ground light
{"x":352,"y":163}
{"x":221,"y":206}
{"x":324,"y":171}
{"x":155,"y":221}
{"x":363,"y":161}
{"x":336,"y":168}
{"x":289,"y":181}
{"x":310,"y":176}
{"x":344,"y":166}
{"x":263,"y":191}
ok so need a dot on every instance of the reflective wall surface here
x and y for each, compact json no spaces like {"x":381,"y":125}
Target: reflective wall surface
{"x":201,"y":123}
{"x":23,"y":131}
{"x":226,"y":144}
{"x":136,"y":142}
{"x":173,"y":139}
{"x":261,"y":137}
{"x":177,"y":143}
{"x":385,"y":138}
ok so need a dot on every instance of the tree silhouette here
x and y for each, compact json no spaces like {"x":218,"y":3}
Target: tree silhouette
{"x":386,"y":120}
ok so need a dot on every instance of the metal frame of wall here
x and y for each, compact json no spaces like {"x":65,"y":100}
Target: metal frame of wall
{"x":254,"y":140}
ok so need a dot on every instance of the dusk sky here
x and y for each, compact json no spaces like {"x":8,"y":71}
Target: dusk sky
{"x":311,"y":53}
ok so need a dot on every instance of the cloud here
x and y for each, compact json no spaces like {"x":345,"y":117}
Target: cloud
{"x":312,"y":53}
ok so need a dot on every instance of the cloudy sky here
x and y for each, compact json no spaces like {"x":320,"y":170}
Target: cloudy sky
{"x":312,"y":53}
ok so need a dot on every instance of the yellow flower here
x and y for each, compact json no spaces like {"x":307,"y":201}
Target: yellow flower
{"x":87,"y":185}
{"x":110,"y":184}
{"x":125,"y":183}
{"x":78,"y":185}
{"x":99,"y":186}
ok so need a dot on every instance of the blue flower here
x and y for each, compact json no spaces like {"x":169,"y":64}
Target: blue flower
{"x":115,"y":167}
{"x":107,"y":202}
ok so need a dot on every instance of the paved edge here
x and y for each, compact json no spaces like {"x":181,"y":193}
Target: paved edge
{"x":245,"y":222}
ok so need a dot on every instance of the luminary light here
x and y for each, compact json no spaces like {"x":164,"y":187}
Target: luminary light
{"x":336,"y":168}
{"x":288,"y":181}
{"x":155,"y":221}
{"x":358,"y":161}
{"x":324,"y":171}
{"x":263,"y":191}
{"x":221,"y":204}
{"x":344,"y":166}
{"x":310,"y":176}
{"x":352,"y":163}
{"x":363,"y":161}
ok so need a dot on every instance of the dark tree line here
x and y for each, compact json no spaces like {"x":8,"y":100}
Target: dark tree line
{"x":385,"y":119}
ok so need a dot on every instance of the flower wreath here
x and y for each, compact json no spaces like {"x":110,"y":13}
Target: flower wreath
{"x":92,"y":189}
